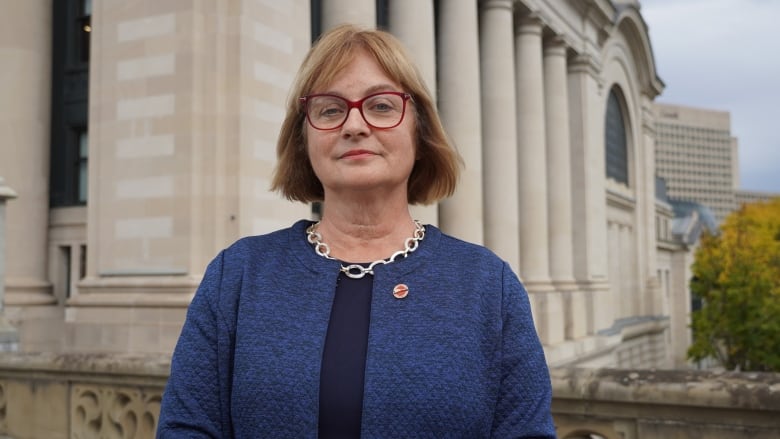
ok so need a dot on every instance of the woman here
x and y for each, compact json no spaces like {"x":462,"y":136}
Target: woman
{"x":299,"y":334}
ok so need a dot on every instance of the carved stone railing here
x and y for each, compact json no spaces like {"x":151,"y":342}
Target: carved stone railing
{"x":81,"y":396}
{"x":665,"y":404}
{"x":112,"y":396}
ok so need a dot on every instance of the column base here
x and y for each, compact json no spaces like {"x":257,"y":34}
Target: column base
{"x":538,"y":286}
{"x":28,"y":292}
{"x":136,"y":291}
{"x":590,"y":351}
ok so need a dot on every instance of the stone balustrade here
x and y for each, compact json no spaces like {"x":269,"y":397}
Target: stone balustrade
{"x":106,"y":396}
{"x":111,"y":396}
{"x":665,"y":404}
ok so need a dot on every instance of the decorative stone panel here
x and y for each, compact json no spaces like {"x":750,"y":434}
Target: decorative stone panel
{"x":113,"y":412}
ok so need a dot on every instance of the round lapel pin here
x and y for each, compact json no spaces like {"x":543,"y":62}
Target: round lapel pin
{"x":400,"y":291}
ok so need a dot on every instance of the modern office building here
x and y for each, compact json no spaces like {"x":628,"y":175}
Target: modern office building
{"x":743,"y":196}
{"x":697,"y":156}
{"x":139,"y":136}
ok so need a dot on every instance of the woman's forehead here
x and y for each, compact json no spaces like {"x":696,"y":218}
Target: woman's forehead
{"x":334,"y":69}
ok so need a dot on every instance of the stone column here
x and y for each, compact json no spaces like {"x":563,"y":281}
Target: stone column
{"x":586,"y":126}
{"x":335,"y":12}
{"x":9,"y":337}
{"x":459,"y":104}
{"x":25,"y":108}
{"x":558,"y":165}
{"x":565,"y":302}
{"x":532,"y":161}
{"x":498,"y":129}
{"x":652,"y":292}
{"x":412,"y":21}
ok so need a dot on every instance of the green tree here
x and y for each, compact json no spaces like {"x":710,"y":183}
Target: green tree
{"x":736,"y":273}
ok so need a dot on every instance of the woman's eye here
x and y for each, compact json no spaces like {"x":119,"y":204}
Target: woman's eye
{"x":331,"y":111}
{"x":381,"y":106}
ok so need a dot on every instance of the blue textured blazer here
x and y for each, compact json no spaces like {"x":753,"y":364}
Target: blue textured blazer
{"x":458,"y":357}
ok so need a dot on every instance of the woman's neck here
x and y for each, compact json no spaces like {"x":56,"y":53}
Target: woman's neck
{"x":365,"y":232}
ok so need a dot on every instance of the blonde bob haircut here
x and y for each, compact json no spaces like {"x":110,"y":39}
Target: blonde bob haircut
{"x":436,"y":170}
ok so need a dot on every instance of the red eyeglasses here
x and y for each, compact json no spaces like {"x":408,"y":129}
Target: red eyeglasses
{"x":382,"y":110}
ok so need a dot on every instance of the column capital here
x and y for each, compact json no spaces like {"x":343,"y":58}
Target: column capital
{"x":584,"y":63}
{"x":555,"y":46}
{"x":496,"y":4}
{"x":529,"y":24}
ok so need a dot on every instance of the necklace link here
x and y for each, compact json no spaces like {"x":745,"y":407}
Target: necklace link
{"x":357,"y":271}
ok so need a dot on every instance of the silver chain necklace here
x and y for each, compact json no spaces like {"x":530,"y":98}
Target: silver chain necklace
{"x":357,"y":271}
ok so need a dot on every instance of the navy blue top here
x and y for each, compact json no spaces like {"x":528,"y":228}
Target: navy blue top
{"x":344,"y":359}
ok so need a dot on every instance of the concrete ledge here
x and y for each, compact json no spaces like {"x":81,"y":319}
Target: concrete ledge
{"x":732,"y":390}
{"x":154,"y":367}
{"x":665,"y":404}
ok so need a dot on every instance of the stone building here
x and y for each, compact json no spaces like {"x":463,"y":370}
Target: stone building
{"x":140,"y":137}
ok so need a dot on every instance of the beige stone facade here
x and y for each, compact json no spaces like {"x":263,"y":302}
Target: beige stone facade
{"x":185,"y":102}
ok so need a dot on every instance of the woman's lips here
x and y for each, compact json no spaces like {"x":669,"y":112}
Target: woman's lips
{"x":357,"y":153}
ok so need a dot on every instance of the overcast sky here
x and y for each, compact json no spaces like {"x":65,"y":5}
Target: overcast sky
{"x":725,"y":55}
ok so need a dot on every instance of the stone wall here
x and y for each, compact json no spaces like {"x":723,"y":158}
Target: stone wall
{"x":668,"y":404}
{"x":51,"y":396}
{"x":107,"y":396}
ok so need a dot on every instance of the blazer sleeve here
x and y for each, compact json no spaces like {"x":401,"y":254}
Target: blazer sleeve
{"x":196,"y":398}
{"x":523,"y":408}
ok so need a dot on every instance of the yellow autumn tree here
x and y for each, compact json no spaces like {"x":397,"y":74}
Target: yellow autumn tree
{"x":736,"y":274}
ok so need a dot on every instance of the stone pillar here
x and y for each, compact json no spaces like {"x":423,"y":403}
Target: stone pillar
{"x":586,"y":124}
{"x":9,"y":337}
{"x":652,"y":292}
{"x":499,"y":134}
{"x":532,"y":161}
{"x":184,"y":117}
{"x":565,"y":304}
{"x":558,"y":165}
{"x":335,"y":12}
{"x":459,"y":104}
{"x":25,"y":108}
{"x":412,"y":21}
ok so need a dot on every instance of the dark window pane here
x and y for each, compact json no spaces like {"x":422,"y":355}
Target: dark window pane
{"x":69,"y":101}
{"x":616,"y":141}
{"x":82,"y":167}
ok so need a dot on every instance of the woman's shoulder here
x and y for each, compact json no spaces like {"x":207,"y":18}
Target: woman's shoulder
{"x":272,"y":242}
{"x":454,"y":247}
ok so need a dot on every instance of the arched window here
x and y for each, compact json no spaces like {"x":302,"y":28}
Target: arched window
{"x":616,"y":139}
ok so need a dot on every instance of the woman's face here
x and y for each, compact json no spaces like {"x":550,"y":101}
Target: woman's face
{"x":357,"y":157}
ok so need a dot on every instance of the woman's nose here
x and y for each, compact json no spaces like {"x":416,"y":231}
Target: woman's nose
{"x":354,"y":123}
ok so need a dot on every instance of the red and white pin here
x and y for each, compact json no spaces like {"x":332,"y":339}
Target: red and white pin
{"x":400,"y":291}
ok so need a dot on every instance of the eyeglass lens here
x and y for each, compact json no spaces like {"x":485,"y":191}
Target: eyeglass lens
{"x":383,"y":110}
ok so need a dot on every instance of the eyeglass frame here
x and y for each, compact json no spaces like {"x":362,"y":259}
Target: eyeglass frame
{"x":304,"y":100}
